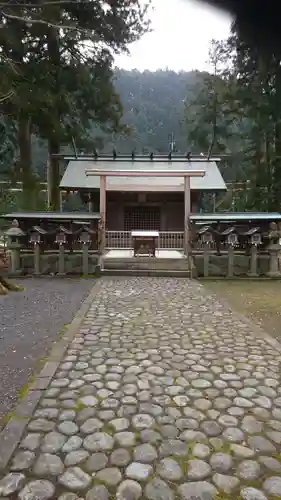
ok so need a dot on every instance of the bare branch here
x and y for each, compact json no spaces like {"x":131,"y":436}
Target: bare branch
{"x":7,"y":96}
{"x":45,"y":23}
{"x":46,"y":3}
{"x":10,"y":63}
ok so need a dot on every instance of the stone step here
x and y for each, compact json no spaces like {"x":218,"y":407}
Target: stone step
{"x":167,"y":273}
{"x":147,"y":264}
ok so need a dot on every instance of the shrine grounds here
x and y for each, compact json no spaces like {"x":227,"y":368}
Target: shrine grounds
{"x":159,"y":389}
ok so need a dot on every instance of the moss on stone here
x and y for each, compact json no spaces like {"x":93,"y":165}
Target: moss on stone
{"x":24,"y":390}
{"x":13,"y":416}
{"x":183,"y":463}
{"x":40,"y":363}
{"x":63,"y":329}
{"x":108,"y":429}
{"x":80,"y":406}
{"x":7,"y":418}
{"x":138,"y":436}
{"x":277,"y":456}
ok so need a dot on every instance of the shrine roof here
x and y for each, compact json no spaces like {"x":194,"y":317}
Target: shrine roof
{"x":235,"y":217}
{"x":59,"y":216}
{"x":75,"y":177}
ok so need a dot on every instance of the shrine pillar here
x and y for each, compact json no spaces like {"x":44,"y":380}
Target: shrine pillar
{"x":102,"y":212}
{"x":187,"y":210}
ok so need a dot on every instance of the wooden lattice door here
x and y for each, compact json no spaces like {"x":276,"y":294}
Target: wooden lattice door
{"x":142,"y":219}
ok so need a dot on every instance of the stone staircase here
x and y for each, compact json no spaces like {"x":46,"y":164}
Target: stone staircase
{"x":146,"y":266}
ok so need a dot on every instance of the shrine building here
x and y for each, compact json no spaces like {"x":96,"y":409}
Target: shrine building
{"x":153,"y":193}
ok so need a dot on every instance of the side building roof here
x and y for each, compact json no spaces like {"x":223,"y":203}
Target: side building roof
{"x":75,"y":178}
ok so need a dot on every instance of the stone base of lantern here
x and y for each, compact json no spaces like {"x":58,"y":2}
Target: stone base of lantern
{"x":273,"y":274}
{"x":252,"y":275}
{"x":49,"y":265}
{"x":218,"y":266}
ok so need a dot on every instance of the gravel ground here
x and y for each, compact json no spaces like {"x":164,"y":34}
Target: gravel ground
{"x":29,"y":322}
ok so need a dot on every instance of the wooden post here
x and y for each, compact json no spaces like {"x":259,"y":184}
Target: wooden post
{"x":90,"y":202}
{"x":186,"y":213}
{"x":103,"y":210}
{"x":61,"y":201}
{"x":48,"y":185}
{"x":214,"y":202}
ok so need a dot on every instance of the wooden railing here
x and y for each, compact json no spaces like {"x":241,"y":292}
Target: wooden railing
{"x":118,"y":240}
{"x":172,"y":240}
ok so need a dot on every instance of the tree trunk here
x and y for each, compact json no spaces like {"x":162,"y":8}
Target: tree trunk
{"x":277,"y":168}
{"x":25,"y":155}
{"x":277,"y":138}
{"x":268,"y":172}
{"x":53,"y":175}
{"x":53,"y":139}
{"x":6,"y":286}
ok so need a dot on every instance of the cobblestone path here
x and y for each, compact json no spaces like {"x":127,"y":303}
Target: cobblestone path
{"x":163,"y":394}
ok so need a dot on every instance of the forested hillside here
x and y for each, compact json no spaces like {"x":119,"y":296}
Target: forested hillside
{"x":153,"y":104}
{"x":153,"y":108}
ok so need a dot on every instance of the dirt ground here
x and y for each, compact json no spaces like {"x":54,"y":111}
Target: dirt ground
{"x":258,"y":300}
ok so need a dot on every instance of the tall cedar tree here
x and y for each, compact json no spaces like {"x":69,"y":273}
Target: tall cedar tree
{"x":57,"y":60}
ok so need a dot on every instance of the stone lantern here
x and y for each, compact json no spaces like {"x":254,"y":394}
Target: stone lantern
{"x":207,"y":240}
{"x":14,"y":235}
{"x":274,"y":248}
{"x":232,"y":242}
{"x":85,"y":239}
{"x":255,"y":241}
{"x":36,"y":239}
{"x":61,"y":241}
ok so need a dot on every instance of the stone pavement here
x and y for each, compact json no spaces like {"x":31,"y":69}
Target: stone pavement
{"x":163,"y":394}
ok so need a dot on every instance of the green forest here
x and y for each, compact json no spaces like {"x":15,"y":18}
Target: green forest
{"x":152,"y":109}
{"x":56,"y":95}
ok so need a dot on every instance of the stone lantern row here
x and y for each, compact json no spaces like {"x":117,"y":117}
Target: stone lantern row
{"x":252,"y":240}
{"x":37,"y":237}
